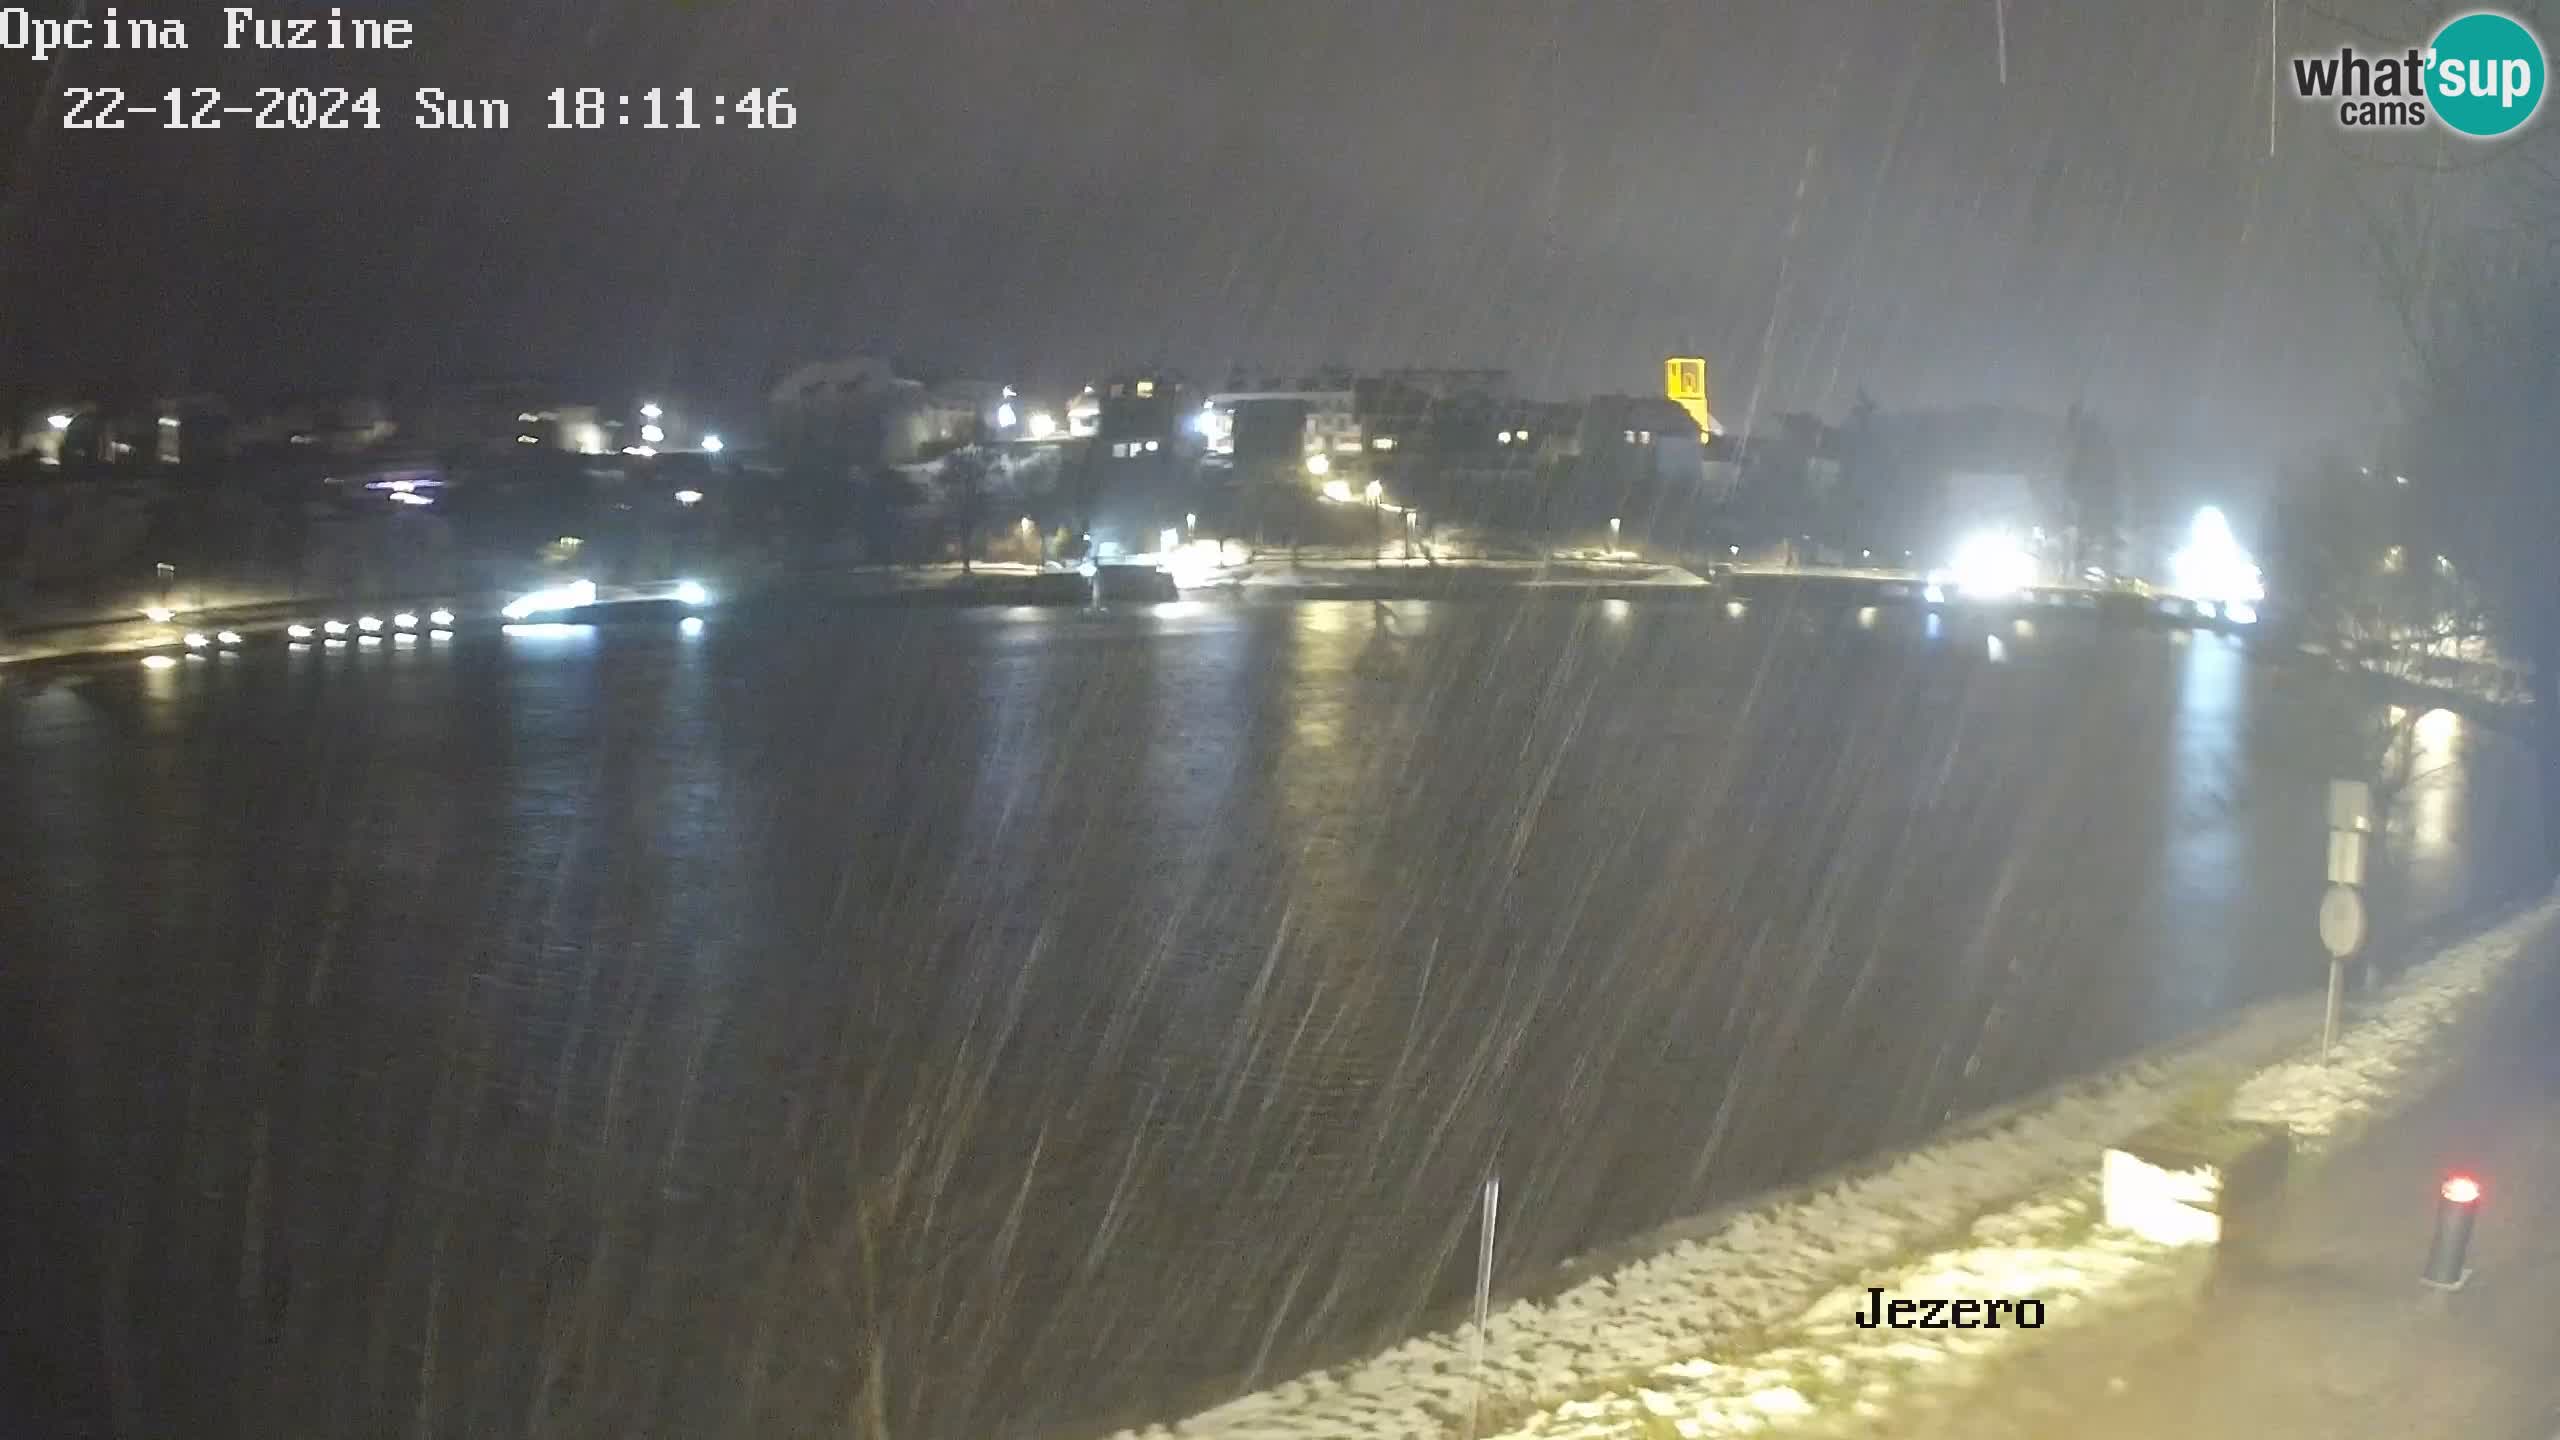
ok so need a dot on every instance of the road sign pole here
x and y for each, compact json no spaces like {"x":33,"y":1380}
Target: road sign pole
{"x":2342,"y":922}
{"x":2337,"y":1002}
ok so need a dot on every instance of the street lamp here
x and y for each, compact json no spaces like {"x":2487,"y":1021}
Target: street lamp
{"x":1613,"y":534}
{"x":713,"y":445}
{"x":1319,"y":464}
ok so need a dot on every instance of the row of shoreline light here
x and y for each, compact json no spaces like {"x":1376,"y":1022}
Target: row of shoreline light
{"x":404,"y":626}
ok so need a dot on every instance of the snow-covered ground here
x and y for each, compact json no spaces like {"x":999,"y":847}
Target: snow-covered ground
{"x":1626,"y":1354}
{"x":2394,"y":1046}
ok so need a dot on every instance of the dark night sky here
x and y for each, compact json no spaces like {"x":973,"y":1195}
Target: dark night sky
{"x":1823,"y":194}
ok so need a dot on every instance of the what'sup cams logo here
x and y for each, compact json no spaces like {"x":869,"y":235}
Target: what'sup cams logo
{"x":2481,"y":76}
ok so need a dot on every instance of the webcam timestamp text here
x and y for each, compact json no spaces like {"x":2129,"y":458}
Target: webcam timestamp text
{"x":205,"y":107}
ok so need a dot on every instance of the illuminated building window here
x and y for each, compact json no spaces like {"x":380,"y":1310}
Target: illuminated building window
{"x":1524,"y":437}
{"x":1631,"y":437}
{"x":1504,"y":437}
{"x":1383,"y":442}
{"x":1644,"y":437}
{"x":1146,"y":388}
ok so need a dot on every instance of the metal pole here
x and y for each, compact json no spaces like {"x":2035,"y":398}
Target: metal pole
{"x":2337,"y":1001}
{"x":1484,"y":1294}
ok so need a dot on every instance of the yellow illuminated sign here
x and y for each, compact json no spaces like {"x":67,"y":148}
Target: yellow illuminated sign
{"x":1684,"y":383}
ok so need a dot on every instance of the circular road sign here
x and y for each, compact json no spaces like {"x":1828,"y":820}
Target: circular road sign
{"x":2342,"y":920}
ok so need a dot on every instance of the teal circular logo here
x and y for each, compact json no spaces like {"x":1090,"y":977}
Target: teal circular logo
{"x":2484,"y":74}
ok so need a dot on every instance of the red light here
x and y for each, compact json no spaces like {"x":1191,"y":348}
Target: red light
{"x":2461,"y":1189}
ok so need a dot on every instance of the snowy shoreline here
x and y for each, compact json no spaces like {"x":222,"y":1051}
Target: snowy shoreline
{"x":2000,"y":1208}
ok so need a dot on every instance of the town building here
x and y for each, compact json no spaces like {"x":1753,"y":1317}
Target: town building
{"x":484,"y":419}
{"x":859,"y":410}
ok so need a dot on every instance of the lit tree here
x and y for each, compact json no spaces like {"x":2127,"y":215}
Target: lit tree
{"x":963,"y":475}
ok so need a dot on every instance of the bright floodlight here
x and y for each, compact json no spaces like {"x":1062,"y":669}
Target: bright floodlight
{"x":1192,"y":566}
{"x":1043,"y":425}
{"x":298,"y":632}
{"x":1990,"y":565}
{"x":159,"y":614}
{"x":571,"y":596}
{"x":196,"y":640}
{"x":654,"y":434}
{"x":690,"y":592}
{"x":713,"y":444}
{"x":691,"y":625}
{"x":1167,"y":541}
{"x":334,"y":627}
{"x":651,"y":411}
{"x":1319,"y":465}
{"x":1005,"y":416}
{"x":58,"y":422}
{"x":439,"y":617}
{"x":1337,"y":491}
{"x":2214,"y":566}
{"x":2461,"y":1189}
{"x":404,"y":620}
{"x":688,"y":497}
